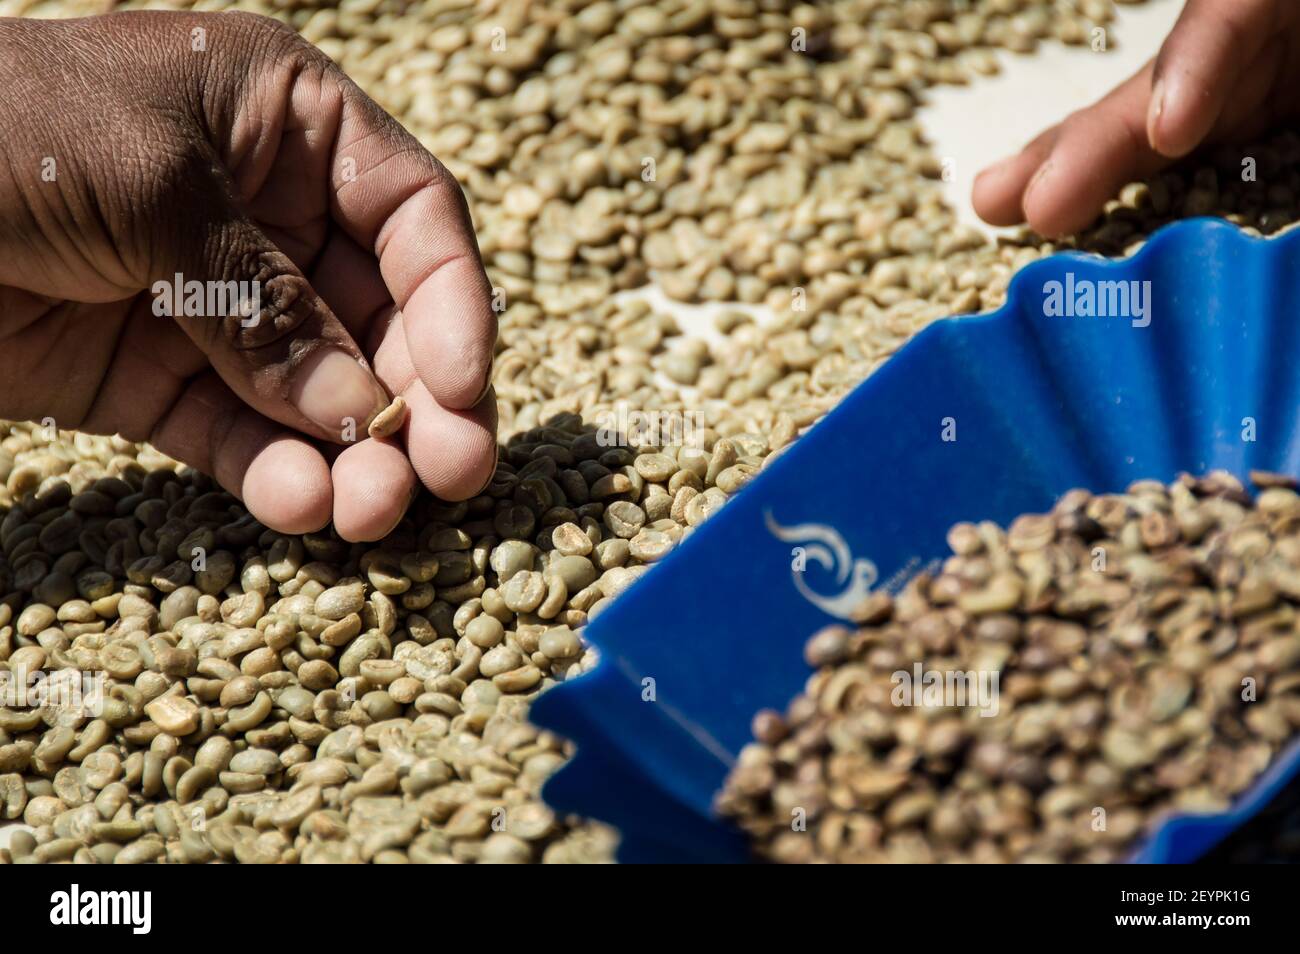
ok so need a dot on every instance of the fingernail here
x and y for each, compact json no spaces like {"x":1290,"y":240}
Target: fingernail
{"x":338,"y":393}
{"x":492,"y":474}
{"x":487,"y":382}
{"x":1036,"y":181}
{"x":1155,"y":109}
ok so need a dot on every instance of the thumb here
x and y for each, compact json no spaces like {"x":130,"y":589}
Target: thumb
{"x":1198,"y":70}
{"x":265,"y":330}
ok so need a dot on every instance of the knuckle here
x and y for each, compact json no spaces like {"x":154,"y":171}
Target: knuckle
{"x":280,"y":45}
{"x":442,"y":188}
{"x":274,"y":49}
{"x":441,"y":179}
{"x":389,"y":139}
{"x":256,"y":23}
{"x":274,"y":300}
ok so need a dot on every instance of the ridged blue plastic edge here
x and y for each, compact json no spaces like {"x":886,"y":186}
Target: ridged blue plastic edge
{"x":650,"y":766}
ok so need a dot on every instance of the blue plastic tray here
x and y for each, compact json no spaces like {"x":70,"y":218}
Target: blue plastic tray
{"x":1040,"y":405}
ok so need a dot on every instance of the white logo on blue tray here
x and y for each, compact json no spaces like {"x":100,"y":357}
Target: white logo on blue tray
{"x":825,"y":547}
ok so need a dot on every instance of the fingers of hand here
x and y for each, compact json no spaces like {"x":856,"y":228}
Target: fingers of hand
{"x":1060,"y":182}
{"x":1064,"y":177}
{"x":453,"y":451}
{"x":1000,"y":188}
{"x":451,"y":332}
{"x":1097,"y":151}
{"x":1211,"y":46}
{"x":270,"y":336}
{"x":282,"y":479}
{"x":375,"y":485}
{"x":400,"y":201}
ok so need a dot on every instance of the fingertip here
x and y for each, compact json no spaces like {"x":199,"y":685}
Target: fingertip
{"x":1155,"y":115}
{"x":465,"y":383}
{"x":454,"y":452}
{"x":1216,"y":55}
{"x":287,"y":487}
{"x":451,"y":333}
{"x":995,"y":194}
{"x":1052,"y":208}
{"x":1040,"y":211}
{"x":1171,"y":131}
{"x":1176,"y":122}
{"x":376,"y":484}
{"x":466,"y":473}
{"x":999,"y":191}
